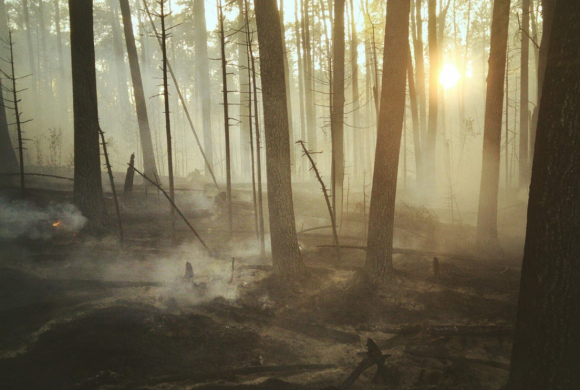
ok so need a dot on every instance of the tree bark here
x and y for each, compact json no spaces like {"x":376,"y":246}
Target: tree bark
{"x":379,"y":266}
{"x":285,"y":252}
{"x":524,"y":95}
{"x":486,"y":233}
{"x":546,"y":344}
{"x":337,"y":110}
{"x":203,"y":78}
{"x":88,"y":190}
{"x":149,"y":166}
{"x":547,"y":17}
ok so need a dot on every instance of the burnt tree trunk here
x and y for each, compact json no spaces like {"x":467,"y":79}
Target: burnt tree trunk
{"x":337,"y":110}
{"x":244,"y":83}
{"x":524,"y":95}
{"x":149,"y":166}
{"x":486,"y":233}
{"x":285,"y":252}
{"x":88,"y":189}
{"x":546,"y":344}
{"x":379,"y":263}
{"x":548,"y":17}
{"x":415,"y":118}
{"x":309,"y":80}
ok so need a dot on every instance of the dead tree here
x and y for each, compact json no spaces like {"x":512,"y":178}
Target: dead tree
{"x":486,"y":233}
{"x":258,"y":147}
{"x":546,"y":338}
{"x":13,"y":105}
{"x":208,"y":164}
{"x":88,"y":188}
{"x":163,"y":36}
{"x":331,"y":211}
{"x":247,"y":42}
{"x":286,"y":256}
{"x":337,"y":109}
{"x":128,"y":187}
{"x":112,"y":181}
{"x":174,"y":206}
{"x":138,"y":92}
{"x":378,"y":266}
{"x":223,"y":60}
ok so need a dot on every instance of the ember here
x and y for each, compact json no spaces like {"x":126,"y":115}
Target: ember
{"x":57,"y":223}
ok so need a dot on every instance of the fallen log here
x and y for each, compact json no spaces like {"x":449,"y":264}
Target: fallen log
{"x":408,"y":251}
{"x":232,"y":373}
{"x":445,"y":330}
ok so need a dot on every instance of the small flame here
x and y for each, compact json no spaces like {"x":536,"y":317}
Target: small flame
{"x":57,"y":223}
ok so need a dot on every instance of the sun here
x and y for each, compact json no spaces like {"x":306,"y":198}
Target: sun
{"x":449,"y":76}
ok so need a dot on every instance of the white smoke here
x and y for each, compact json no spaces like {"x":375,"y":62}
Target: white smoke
{"x":22,"y":219}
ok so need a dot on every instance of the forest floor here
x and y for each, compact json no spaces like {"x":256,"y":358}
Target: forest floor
{"x":83,"y":312}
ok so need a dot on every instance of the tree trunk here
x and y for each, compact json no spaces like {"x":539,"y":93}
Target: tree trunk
{"x":545,"y":352}
{"x":285,"y":252}
{"x":486,"y":234}
{"x":357,"y":132}
{"x":287,"y":74}
{"x":415,"y":117}
{"x":31,"y":61}
{"x":379,"y":266}
{"x":203,"y":77}
{"x":430,"y":162}
{"x":309,"y":81}
{"x":337,"y":110}
{"x":524,"y":95}
{"x":548,"y":17}
{"x":420,"y":85}
{"x":245,"y":108}
{"x":139,"y":94}
{"x":123,"y":94}
{"x":88,"y":190}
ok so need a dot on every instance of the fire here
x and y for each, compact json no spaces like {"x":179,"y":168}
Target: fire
{"x":57,"y":223}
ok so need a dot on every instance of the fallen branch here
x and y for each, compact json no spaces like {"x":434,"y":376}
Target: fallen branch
{"x":444,"y":330}
{"x":407,"y":251}
{"x":326,"y":198}
{"x":37,"y":174}
{"x":314,"y":228}
{"x":230,"y":374}
{"x":373,"y":357}
{"x":112,"y":181}
{"x":176,"y":209}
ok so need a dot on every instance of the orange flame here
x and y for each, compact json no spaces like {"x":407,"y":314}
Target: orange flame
{"x":57,"y":223}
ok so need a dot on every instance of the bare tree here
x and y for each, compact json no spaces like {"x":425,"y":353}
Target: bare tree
{"x":88,"y":190}
{"x":433,"y":97}
{"x":524,"y":95}
{"x":546,"y":343}
{"x":149,"y":165}
{"x":486,"y":234}
{"x":285,"y":252}
{"x":379,"y":266}
{"x":337,"y":109}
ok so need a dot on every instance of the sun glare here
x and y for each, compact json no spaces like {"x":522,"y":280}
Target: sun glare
{"x":449,"y":76}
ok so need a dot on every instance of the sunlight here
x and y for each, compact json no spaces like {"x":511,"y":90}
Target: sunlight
{"x":449,"y":76}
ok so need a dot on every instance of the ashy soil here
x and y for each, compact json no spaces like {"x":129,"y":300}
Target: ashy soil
{"x":83,"y":312}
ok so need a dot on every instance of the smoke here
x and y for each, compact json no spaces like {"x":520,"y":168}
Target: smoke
{"x":22,"y":219}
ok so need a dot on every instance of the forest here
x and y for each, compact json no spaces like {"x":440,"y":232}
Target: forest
{"x":289,"y":194}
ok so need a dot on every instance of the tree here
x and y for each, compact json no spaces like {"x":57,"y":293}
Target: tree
{"x":379,"y":265}
{"x":433,"y":96}
{"x":337,"y":109}
{"x":203,"y":78}
{"x":149,"y":166}
{"x":524,"y":95}
{"x":244,"y":83}
{"x":546,"y":343}
{"x":8,"y":161}
{"x":88,"y":190}
{"x":285,"y":252}
{"x":486,"y":233}
{"x":548,"y":17}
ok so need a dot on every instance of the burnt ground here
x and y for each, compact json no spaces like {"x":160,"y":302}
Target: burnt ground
{"x":82,"y":312}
